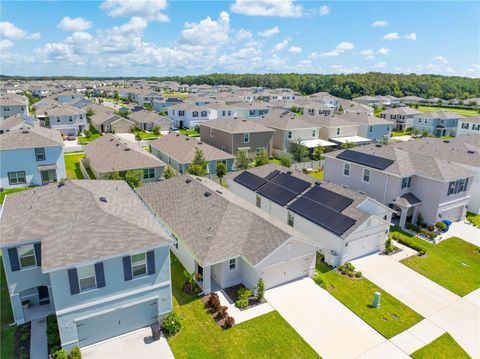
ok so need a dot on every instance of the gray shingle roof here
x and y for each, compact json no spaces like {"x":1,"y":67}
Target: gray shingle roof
{"x":74,"y":226}
{"x":30,"y":137}
{"x":236,"y":126}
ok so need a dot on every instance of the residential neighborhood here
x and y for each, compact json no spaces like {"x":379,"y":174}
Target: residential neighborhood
{"x":234,"y":192}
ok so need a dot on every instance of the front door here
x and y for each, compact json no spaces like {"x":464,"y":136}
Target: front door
{"x":43,"y":295}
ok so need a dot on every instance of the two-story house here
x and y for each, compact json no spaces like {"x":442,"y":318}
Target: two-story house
{"x":410,"y":183}
{"x":11,"y":105}
{"x":440,"y":123}
{"x":401,"y":117}
{"x":112,"y":281}
{"x":368,"y":100}
{"x":468,"y":126}
{"x":31,"y":156}
{"x":371,"y":127}
{"x":186,"y":115}
{"x":69,"y":96}
{"x":67,"y":119}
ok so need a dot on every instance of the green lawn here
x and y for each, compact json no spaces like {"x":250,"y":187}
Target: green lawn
{"x":473,"y":219}
{"x":72,"y":165}
{"x":392,"y":318}
{"x":452,"y":263}
{"x":460,"y":111}
{"x":182,"y":95}
{"x":11,"y":190}
{"x":317,"y":174}
{"x":186,"y":131}
{"x":275,"y":161}
{"x":444,"y":347}
{"x":7,"y":332}
{"x":83,"y":140}
{"x":401,"y":133}
{"x":267,"y":336}
{"x":147,"y":135}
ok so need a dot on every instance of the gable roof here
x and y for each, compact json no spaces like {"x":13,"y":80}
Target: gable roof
{"x":30,"y":137}
{"x":236,"y":125}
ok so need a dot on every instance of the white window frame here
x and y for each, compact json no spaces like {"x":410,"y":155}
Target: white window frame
{"x":258,"y":201}
{"x":314,"y":133}
{"x":246,"y":137}
{"x":290,"y":219}
{"x":17,"y":177}
{"x":150,"y":174}
{"x":365,"y":171}
{"x":338,"y":131}
{"x":289,"y":135}
{"x":346,"y":168}
{"x":80,"y":278}
{"x":143,"y":262}
{"x":40,"y":151}
{"x":27,"y":247}
{"x":233,"y":262}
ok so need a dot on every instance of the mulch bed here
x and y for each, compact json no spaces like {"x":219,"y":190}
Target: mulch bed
{"x":215,"y":315}
{"x":395,"y":251}
{"x":232,"y":293}
{"x":22,"y":341}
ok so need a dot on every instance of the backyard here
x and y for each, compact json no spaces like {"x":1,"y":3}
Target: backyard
{"x":444,"y":347}
{"x":267,"y":336}
{"x":189,"y":132}
{"x":7,"y":332}
{"x":452,"y":263}
{"x":460,"y":111}
{"x":392,"y":318}
{"x":72,"y":165}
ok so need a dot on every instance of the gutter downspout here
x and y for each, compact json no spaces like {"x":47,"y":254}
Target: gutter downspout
{"x":385,"y":192}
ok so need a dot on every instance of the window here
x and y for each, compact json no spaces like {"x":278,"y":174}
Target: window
{"x":203,"y":114}
{"x":139,"y":265}
{"x":229,"y":113}
{"x":80,"y":116}
{"x":70,"y":119}
{"x":224,"y":113}
{"x":252,"y":112}
{"x":314,"y":133}
{"x":259,"y":150}
{"x":17,"y":177}
{"x":406,"y":182}
{"x":465,"y":125}
{"x":58,"y":119}
{"x":458,"y":186}
{"x":246,"y":138}
{"x":338,"y":131}
{"x":366,"y":175}
{"x":232,"y":264}
{"x":180,"y":113}
{"x":195,"y":114}
{"x":6,"y":108}
{"x":370,"y":129}
{"x":346,"y":169}
{"x":48,"y":176}
{"x":258,"y":201}
{"x":425,"y":121}
{"x":148,"y":173}
{"x":211,"y":132}
{"x":40,"y":154}
{"x":86,"y":278}
{"x":290,"y":219}
{"x":26,"y":256}
{"x":289,"y":135}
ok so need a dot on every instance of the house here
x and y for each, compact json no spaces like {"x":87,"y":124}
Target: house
{"x":342,"y":224}
{"x":146,"y":97}
{"x":411,"y":99}
{"x":389,"y":100}
{"x":67,"y":119}
{"x":408,"y":182}
{"x":39,"y":91}
{"x":11,"y":105}
{"x":187,"y":115}
{"x":31,"y":156}
{"x":112,"y":281}
{"x":468,"y":126}
{"x":316,"y":108}
{"x":110,"y":153}
{"x":326,"y":99}
{"x":164,"y":104}
{"x":440,"y":123}
{"x":108,"y":121}
{"x":148,"y":120}
{"x":178,"y":151}
{"x":16,"y":122}
{"x":237,"y":135}
{"x":225,"y":240}
{"x":69,"y":96}
{"x":401,"y":117}
{"x":250,"y":110}
{"x":337,"y":129}
{"x":368,"y":100}
{"x":371,"y":127}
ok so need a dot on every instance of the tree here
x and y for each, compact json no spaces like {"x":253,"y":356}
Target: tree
{"x":261,"y":158}
{"x":148,"y":106}
{"x":134,"y":178}
{"x":156,"y":130}
{"x":242,"y":161}
{"x":198,"y":167}
{"x":340,"y":109}
{"x":347,"y":145}
{"x":114,"y":175}
{"x":388,"y":246}
{"x":221,"y":170}
{"x":318,"y":153}
{"x":298,"y":150}
{"x":169,"y":172}
{"x":122,"y":113}
{"x":286,"y":160}
{"x":90,"y":112}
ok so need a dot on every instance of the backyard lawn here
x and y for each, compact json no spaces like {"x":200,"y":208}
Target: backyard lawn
{"x":401,"y":133}
{"x":317,"y":174}
{"x":392,"y":318}
{"x":452,"y":263}
{"x":189,"y":132}
{"x":84,"y":140}
{"x":473,"y":219}
{"x":10,"y":190}
{"x":147,"y":135}
{"x":7,"y":332}
{"x":72,"y":165}
{"x":444,"y":347}
{"x":460,"y":111}
{"x":267,"y":336}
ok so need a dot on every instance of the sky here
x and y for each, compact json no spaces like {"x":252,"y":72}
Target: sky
{"x":162,"y":37}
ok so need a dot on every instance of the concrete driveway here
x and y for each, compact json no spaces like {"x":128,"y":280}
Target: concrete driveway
{"x":137,"y":344}
{"x":465,"y":231}
{"x":331,"y":329}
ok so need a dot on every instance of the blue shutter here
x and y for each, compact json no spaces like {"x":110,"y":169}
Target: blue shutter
{"x":150,"y":262}
{"x":38,"y":253}
{"x":14,"y":262}
{"x":100,"y":275}
{"x":127,"y":268}
{"x":73,"y":279}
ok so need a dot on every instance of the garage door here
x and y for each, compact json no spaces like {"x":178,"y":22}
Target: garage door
{"x":362,"y":247}
{"x":284,"y":272}
{"x":117,"y":322}
{"x":454,"y":214}
{"x":122,"y":128}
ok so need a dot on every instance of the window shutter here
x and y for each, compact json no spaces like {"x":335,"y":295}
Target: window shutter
{"x":100,"y":275}
{"x":73,"y":278}
{"x":151,"y":262}
{"x":127,"y":268}
{"x":38,"y":253}
{"x":14,"y":262}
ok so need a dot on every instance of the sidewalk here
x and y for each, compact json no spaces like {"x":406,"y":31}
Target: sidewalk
{"x":38,"y":339}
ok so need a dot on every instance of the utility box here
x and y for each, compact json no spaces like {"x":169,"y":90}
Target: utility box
{"x":376,"y":299}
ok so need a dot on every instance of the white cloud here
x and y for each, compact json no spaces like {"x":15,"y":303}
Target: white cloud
{"x":312,"y":56}
{"x":380,"y":65}
{"x":341,"y":69}
{"x":383,"y":51}
{"x":5,"y":44}
{"x":207,"y":31}
{"x":473,"y":70}
{"x":434,"y":68}
{"x":10,"y":31}
{"x":78,"y":37}
{"x":324,"y":10}
{"x":368,"y":54}
{"x":283,"y":8}
{"x":280,"y":45}
{"x":149,"y":10}
{"x":339,"y":49}
{"x":295,"y":50}
{"x":391,"y":36}
{"x":243,"y":34}
{"x":76,"y":24}
{"x":441,"y":59}
{"x":380,"y":23}
{"x":269,"y":32}
{"x":411,"y":36}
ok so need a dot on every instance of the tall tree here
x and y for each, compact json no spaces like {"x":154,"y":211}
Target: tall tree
{"x":318,"y":153}
{"x":198,"y":167}
{"x":242,"y":161}
{"x":221,"y":170}
{"x":298,"y":150}
{"x":261,"y":158}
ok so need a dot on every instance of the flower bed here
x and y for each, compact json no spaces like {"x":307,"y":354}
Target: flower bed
{"x":218,"y":312}
{"x":243,"y":297}
{"x":22,"y":341}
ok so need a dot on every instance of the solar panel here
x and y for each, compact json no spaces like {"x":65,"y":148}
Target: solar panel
{"x":250,"y":180}
{"x":277,"y":194}
{"x":291,"y":183}
{"x":272,"y":175}
{"x":335,"y":222}
{"x":328,"y":198}
{"x":365,"y":159}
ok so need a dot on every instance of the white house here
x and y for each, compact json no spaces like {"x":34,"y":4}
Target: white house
{"x":188,"y":115}
{"x":67,"y":119}
{"x":468,"y":126}
{"x":11,"y":105}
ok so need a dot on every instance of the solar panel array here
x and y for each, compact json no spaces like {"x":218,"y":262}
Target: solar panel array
{"x":250,"y":180}
{"x":328,"y":198}
{"x":272,"y":174}
{"x":276,"y":193}
{"x":290,"y":182}
{"x":366,"y":159}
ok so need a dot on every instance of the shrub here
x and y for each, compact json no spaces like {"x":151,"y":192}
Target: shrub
{"x":59,"y":354}
{"x":421,"y":251}
{"x":53,"y":336}
{"x":244,"y":293}
{"x":241,"y":303}
{"x":222,"y":313}
{"x":358,"y":274}
{"x":388,"y":246}
{"x":229,"y":322}
{"x":430,"y":228}
{"x":75,"y":353}
{"x":214,"y":302}
{"x":171,"y":324}
{"x":156,"y":130}
{"x":138,"y":137}
{"x":320,"y":280}
{"x":286,"y":160}
{"x":260,"y":288}
{"x":88,"y":133}
{"x":440,"y":226}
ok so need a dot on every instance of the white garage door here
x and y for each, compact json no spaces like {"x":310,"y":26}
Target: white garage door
{"x":362,"y":247}
{"x":454,"y":214}
{"x":284,"y":272}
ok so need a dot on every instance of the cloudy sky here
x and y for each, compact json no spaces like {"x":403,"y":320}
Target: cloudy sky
{"x":161,"y":37}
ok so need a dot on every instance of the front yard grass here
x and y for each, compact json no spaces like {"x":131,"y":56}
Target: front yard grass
{"x":9,"y":191}
{"x":7,"y":331}
{"x":84,"y":140}
{"x":72,"y":165}
{"x":146,"y":135}
{"x":401,"y":133}
{"x":473,"y":219}
{"x":189,"y":132}
{"x":452,"y":263}
{"x":267,"y":336}
{"x":444,"y":347}
{"x":392,"y":318}
{"x":460,"y":111}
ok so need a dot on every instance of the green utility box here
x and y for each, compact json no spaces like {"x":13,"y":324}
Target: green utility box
{"x":376,"y":299}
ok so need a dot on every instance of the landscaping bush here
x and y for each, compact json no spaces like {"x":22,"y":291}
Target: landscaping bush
{"x":88,"y":133}
{"x":53,"y":336}
{"x":242,"y":303}
{"x":440,"y":226}
{"x":229,"y":322}
{"x":156,"y":130}
{"x":286,"y":160}
{"x":413,"y":227}
{"x":430,"y":228}
{"x":171,"y":324}
{"x":75,"y":353}
{"x":388,"y":246}
{"x":421,"y":251}
{"x":214,"y":302}
{"x":59,"y":354}
{"x":244,"y":293}
{"x":222,"y":313}
{"x":260,"y":288}
{"x":358,"y":274}
{"x":320,"y":280}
